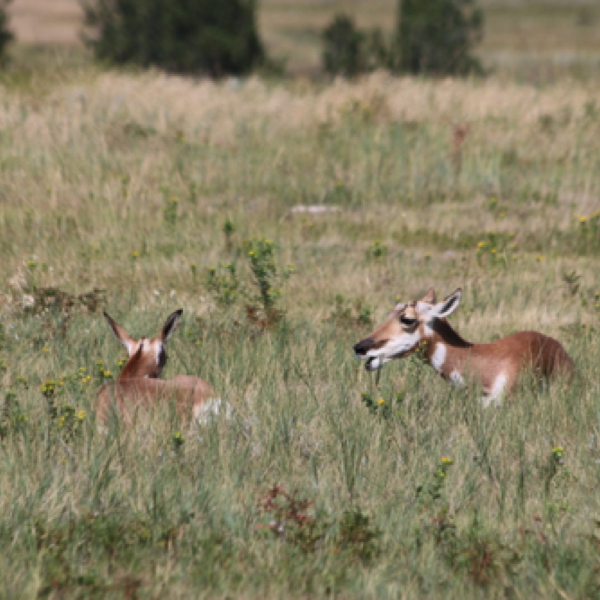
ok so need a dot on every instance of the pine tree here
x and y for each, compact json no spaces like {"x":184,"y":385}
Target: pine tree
{"x":436,"y":36}
{"x":213,"y":37}
{"x":6,"y":35}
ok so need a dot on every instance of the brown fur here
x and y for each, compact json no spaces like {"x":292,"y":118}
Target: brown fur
{"x":512,"y":355}
{"x":496,"y":365}
{"x":138,"y":387}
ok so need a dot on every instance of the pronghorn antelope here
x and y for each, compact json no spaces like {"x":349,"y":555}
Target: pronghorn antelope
{"x":138,"y":386}
{"x":495,"y":366}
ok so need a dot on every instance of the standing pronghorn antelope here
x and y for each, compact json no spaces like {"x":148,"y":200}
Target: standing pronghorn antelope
{"x":496,"y":366}
{"x":138,"y":386}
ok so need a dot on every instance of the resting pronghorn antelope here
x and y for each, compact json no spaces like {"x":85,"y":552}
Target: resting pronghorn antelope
{"x":138,"y":385}
{"x":495,"y":366}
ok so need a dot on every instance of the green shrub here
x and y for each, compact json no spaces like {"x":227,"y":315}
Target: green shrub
{"x":260,"y":295}
{"x":342,"y":47}
{"x":437,"y":36}
{"x":180,"y":36}
{"x":350,"y":51}
{"x":434,"y":37}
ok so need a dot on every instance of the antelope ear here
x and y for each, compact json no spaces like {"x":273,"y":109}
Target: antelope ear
{"x":448,"y":305}
{"x":443,"y":309}
{"x":170,"y":325}
{"x":429,"y":297}
{"x":122,"y":336}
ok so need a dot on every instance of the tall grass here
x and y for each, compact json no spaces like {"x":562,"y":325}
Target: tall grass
{"x":125,"y":184}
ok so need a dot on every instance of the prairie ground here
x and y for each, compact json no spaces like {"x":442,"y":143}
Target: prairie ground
{"x":139,"y":193}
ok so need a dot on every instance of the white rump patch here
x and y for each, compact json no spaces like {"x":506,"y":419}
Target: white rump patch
{"x":495,"y":395}
{"x":205,"y":414}
{"x":456,"y":378}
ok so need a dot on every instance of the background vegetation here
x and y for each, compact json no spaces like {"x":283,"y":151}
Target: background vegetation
{"x":142,"y":193}
{"x":199,"y":38}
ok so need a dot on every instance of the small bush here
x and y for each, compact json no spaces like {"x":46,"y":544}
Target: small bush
{"x":260,"y":295}
{"x":347,"y":313}
{"x":343,"y":47}
{"x":180,"y":36}
{"x":350,"y":51}
{"x":436,"y":37}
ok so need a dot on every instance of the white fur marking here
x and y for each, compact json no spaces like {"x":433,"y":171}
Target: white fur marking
{"x":456,"y":378}
{"x":428,"y":330}
{"x":398,"y":345}
{"x":438,"y":358}
{"x":206,"y":413}
{"x":159,"y":348}
{"x":495,"y":395}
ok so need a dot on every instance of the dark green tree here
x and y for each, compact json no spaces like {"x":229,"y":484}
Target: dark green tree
{"x":213,"y":37}
{"x":342,"y":51}
{"x":350,"y":51}
{"x":6,"y":35}
{"x":436,"y":37}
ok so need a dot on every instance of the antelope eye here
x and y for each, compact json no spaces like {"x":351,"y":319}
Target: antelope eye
{"x":407,"y":321}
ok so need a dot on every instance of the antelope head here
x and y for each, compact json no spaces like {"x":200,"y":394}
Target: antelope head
{"x":147,"y":357}
{"x":405,"y":329}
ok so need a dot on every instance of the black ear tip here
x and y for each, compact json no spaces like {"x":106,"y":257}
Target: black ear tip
{"x":106,"y":316}
{"x":179,"y":312}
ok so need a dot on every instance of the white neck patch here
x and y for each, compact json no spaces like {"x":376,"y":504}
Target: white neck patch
{"x":438,"y":358}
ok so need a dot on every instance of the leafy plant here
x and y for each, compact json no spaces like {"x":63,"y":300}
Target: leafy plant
{"x":260,"y":295}
{"x":431,"y":491}
{"x":262,"y":306}
{"x":293,"y":521}
{"x":572,"y":282}
{"x":228,"y":230}
{"x":64,"y":419}
{"x":382,"y":407}
{"x":223,"y":283}
{"x":377,"y":251}
{"x":12,"y":418}
{"x":348,"y":313}
{"x":44,"y":299}
{"x":170,"y":212}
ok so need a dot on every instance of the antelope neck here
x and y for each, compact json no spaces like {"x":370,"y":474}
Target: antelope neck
{"x":140,"y":365}
{"x":444,"y":347}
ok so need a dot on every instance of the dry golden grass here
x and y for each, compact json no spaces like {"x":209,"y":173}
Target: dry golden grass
{"x":46,"y":21}
{"x":91,"y":164}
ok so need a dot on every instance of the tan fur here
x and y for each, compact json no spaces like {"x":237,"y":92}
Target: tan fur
{"x":138,"y":387}
{"x":495,"y":366}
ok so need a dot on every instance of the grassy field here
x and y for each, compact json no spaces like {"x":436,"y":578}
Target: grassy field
{"x":135,"y":193}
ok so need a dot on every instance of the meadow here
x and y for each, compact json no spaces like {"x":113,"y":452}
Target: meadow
{"x":139,"y":193}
